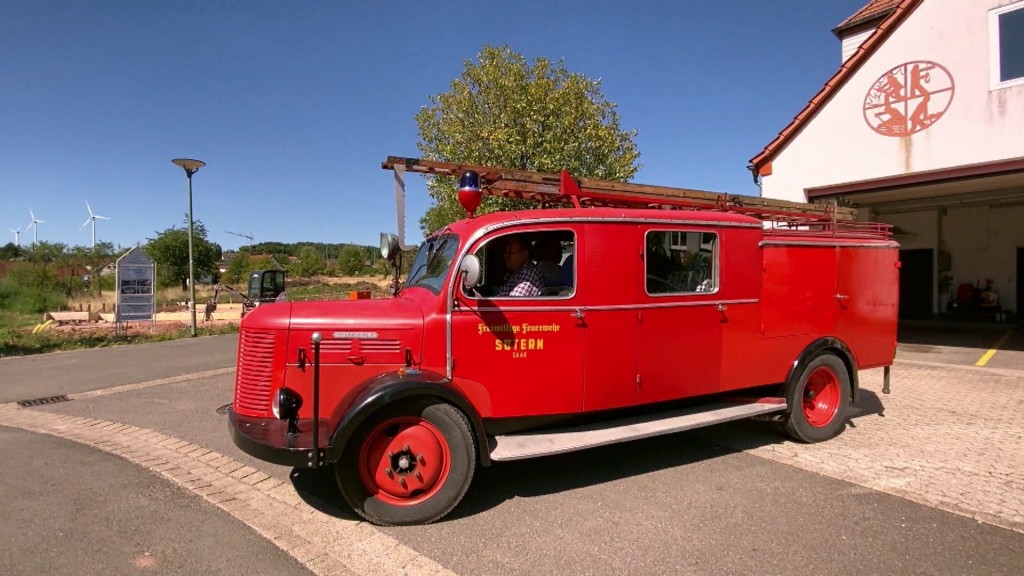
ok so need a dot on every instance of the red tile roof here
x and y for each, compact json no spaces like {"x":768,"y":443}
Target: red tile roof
{"x":874,"y":9}
{"x":762,"y":162}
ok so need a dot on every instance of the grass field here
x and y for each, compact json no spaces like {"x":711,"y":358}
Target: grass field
{"x":17,"y":337}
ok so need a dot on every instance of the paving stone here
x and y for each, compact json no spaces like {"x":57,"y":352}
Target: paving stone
{"x":948,"y":436}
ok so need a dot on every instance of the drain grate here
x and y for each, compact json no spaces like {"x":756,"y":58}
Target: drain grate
{"x":224,"y":409}
{"x":43,"y":401}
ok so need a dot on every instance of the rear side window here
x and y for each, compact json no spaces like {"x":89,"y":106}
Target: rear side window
{"x":681,"y":262}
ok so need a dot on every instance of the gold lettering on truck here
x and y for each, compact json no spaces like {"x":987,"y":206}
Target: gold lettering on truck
{"x":518,"y":339}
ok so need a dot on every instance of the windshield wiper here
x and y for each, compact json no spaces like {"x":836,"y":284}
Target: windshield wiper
{"x":439,"y":249}
{"x":432,"y":252}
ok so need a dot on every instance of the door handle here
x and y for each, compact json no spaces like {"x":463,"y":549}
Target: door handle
{"x":357,"y":359}
{"x":578,"y":314}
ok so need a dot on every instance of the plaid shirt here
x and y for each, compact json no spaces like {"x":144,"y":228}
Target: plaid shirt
{"x":527,"y":281}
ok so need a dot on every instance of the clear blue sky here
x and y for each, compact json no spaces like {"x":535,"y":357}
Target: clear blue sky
{"x":293,"y":105}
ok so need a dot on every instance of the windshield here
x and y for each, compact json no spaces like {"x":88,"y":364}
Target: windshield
{"x":432,"y":262}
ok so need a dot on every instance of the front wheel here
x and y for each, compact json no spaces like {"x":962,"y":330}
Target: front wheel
{"x":818,"y":400}
{"x":409,"y":463}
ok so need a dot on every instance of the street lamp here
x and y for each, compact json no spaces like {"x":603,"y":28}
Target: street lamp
{"x":190,"y":166}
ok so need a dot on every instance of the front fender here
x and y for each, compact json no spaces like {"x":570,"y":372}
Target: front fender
{"x":393,"y":387}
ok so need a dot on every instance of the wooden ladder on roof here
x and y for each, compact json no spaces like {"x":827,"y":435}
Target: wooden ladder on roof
{"x":564,"y":190}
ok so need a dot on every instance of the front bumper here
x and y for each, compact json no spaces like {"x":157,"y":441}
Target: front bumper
{"x":268,"y":439}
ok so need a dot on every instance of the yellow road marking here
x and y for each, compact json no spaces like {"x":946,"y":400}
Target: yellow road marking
{"x":992,"y":351}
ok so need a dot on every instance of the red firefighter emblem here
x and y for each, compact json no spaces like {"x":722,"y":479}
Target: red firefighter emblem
{"x":909,"y":98}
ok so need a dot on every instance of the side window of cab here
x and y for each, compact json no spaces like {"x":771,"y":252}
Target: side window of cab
{"x":531,"y":264}
{"x":680,"y":262}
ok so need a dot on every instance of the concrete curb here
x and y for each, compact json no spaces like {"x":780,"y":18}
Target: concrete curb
{"x":326,"y":545}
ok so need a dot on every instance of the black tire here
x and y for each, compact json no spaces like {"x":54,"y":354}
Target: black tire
{"x":818,"y":400}
{"x":380,"y":468}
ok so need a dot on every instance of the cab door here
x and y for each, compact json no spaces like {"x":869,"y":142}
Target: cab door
{"x":525,"y":351}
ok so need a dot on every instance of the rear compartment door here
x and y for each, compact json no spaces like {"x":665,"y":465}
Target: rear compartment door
{"x":867,"y":302}
{"x":680,"y":325}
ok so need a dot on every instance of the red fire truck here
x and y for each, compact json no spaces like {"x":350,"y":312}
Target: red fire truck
{"x":647,"y":311}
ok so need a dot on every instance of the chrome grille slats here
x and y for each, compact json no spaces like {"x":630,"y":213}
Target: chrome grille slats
{"x":366,"y":345}
{"x":255,"y":364}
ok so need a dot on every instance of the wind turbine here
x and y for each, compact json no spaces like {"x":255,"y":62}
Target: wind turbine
{"x":34,"y":225}
{"x":17,"y":236}
{"x":92,"y":218}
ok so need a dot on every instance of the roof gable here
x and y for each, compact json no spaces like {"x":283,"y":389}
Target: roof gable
{"x":761,"y":162}
{"x":873,"y":10}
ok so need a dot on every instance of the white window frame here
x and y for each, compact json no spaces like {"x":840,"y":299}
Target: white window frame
{"x":993,"y":43}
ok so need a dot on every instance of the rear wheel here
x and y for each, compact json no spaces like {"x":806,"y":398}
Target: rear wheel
{"x":818,"y":400}
{"x":410,"y":463}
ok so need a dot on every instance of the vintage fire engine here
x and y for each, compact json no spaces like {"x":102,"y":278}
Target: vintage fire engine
{"x":661,"y":310}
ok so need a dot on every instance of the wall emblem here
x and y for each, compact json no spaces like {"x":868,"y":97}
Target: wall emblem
{"x":909,"y":98}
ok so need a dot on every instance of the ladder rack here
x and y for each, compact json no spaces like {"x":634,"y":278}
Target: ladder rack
{"x":564,"y":190}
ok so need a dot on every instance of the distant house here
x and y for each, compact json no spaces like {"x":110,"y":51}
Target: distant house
{"x":922,"y":127}
{"x":225,"y":260}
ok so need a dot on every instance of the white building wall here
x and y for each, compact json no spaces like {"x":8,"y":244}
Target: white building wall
{"x":838,"y":146}
{"x":853,"y":41}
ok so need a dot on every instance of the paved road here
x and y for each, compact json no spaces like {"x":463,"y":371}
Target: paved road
{"x":69,"y":509}
{"x":74,"y":371}
{"x":731,"y":499}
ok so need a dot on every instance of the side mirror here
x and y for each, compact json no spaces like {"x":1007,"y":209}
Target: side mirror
{"x":469,"y":269}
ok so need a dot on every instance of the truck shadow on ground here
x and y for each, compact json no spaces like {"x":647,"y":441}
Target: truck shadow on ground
{"x":503,"y":481}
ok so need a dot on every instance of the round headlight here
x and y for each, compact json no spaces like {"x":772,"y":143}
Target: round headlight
{"x":388,"y":245}
{"x":285,"y":404}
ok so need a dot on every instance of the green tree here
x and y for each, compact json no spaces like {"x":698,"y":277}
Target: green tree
{"x":10,"y":251}
{"x":505,"y":111}
{"x":170,"y":252}
{"x":101,"y":255}
{"x":351,"y":260}
{"x":267,"y":248}
{"x":35,"y":285}
{"x":242,"y":266}
{"x":309,"y":262}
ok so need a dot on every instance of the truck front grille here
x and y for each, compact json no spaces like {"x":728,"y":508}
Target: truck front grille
{"x":255,"y":362}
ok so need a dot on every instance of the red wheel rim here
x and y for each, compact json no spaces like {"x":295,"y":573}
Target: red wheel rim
{"x":404,"y":461}
{"x":821,"y":397}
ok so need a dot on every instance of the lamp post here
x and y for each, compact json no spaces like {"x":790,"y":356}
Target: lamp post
{"x":190,"y":166}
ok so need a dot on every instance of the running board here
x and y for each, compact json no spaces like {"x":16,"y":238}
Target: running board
{"x":520,"y":446}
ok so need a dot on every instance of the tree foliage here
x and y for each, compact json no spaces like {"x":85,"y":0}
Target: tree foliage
{"x":10,"y":251}
{"x":243,"y":265}
{"x":351,"y":260}
{"x":170,"y":252}
{"x":51,"y":272}
{"x":309,"y":262}
{"x":505,"y":111}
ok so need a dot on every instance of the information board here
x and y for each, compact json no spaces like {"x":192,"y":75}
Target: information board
{"x":136,"y":276}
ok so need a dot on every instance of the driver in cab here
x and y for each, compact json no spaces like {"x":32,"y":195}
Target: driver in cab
{"x":524,"y":277}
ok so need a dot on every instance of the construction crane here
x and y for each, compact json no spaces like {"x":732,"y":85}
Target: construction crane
{"x":246,"y":236}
